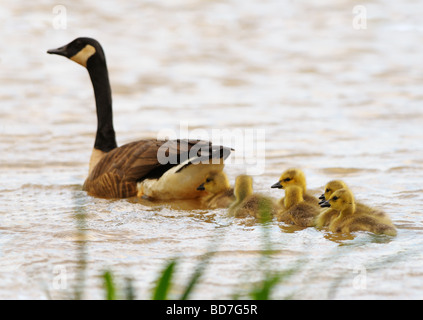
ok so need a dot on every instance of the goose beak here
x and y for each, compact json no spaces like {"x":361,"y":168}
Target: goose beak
{"x":201,"y":187}
{"x":277,"y":185}
{"x":322,"y":197}
{"x":62,"y":51}
{"x":324,"y":204}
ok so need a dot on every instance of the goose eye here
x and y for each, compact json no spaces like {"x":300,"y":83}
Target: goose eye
{"x":287,"y":179}
{"x":335,"y":198}
{"x":327,"y":190}
{"x":208,"y":180}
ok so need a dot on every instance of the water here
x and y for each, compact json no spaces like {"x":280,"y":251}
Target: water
{"x":335,"y":101}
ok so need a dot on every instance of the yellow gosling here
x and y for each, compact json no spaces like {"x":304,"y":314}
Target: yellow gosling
{"x":295,"y":177}
{"x":352,"y":218}
{"x":219,"y":193}
{"x":248,"y":204}
{"x":326,"y":216}
{"x":331,"y":187}
{"x":296,"y":210}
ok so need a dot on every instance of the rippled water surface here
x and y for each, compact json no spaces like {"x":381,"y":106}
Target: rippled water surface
{"x":336,"y":101}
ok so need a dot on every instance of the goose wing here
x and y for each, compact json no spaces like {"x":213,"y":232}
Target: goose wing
{"x":117,"y":173}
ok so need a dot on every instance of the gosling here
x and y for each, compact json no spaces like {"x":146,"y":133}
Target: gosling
{"x":295,"y":177}
{"x":326,"y":216}
{"x":219,"y":193}
{"x":248,"y":204}
{"x":324,"y":219}
{"x":296,"y":210}
{"x":352,"y":218}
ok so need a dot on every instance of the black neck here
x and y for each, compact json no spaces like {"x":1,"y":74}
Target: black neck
{"x":105,"y":139}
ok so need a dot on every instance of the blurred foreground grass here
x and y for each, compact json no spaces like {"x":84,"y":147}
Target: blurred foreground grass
{"x":270,"y":277}
{"x":166,"y":279}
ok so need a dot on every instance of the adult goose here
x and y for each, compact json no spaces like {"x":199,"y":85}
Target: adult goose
{"x":115,"y":171}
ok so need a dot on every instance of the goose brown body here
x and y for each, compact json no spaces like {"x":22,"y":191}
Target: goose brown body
{"x":117,"y":173}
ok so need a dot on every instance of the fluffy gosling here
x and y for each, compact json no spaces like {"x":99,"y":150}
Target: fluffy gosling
{"x":295,"y":177}
{"x":219,"y":192}
{"x":326,"y":216}
{"x":296,"y":210}
{"x":352,"y":218}
{"x":248,"y":204}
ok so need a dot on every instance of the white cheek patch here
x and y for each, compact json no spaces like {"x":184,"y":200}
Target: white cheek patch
{"x":82,"y":56}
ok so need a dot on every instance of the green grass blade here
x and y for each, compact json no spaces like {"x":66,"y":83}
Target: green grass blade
{"x":109,"y":286}
{"x":129,"y":289}
{"x":164,"y":282}
{"x":264,"y":289}
{"x":199,"y":271}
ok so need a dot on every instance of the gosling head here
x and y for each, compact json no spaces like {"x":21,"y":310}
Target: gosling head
{"x":340,"y":200}
{"x":215,"y":183}
{"x":291,"y":177}
{"x":331,"y":187}
{"x":243,"y":187}
{"x":85,"y":51}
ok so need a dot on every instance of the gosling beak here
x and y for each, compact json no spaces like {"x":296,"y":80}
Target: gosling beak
{"x":277,"y":185}
{"x":322,"y":197}
{"x":62,"y":51}
{"x":201,"y":187}
{"x":324,"y":204}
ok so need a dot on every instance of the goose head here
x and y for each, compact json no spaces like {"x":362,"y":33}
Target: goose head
{"x":89,"y":53}
{"x":340,"y":200}
{"x":215,"y":183}
{"x":85,"y":51}
{"x":291,"y":177}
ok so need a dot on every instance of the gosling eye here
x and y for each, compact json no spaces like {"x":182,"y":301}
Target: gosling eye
{"x":327,"y":190}
{"x":335,"y":198}
{"x":287,"y":179}
{"x":208,"y":180}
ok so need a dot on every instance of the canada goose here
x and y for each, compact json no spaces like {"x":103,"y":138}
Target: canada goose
{"x":249,"y":204}
{"x":114,"y":171}
{"x":219,"y":192}
{"x":327,"y":215}
{"x":351,"y":218}
{"x":295,"y":177}
{"x":296,"y":210}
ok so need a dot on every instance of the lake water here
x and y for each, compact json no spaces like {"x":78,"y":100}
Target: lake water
{"x":309,"y":85}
